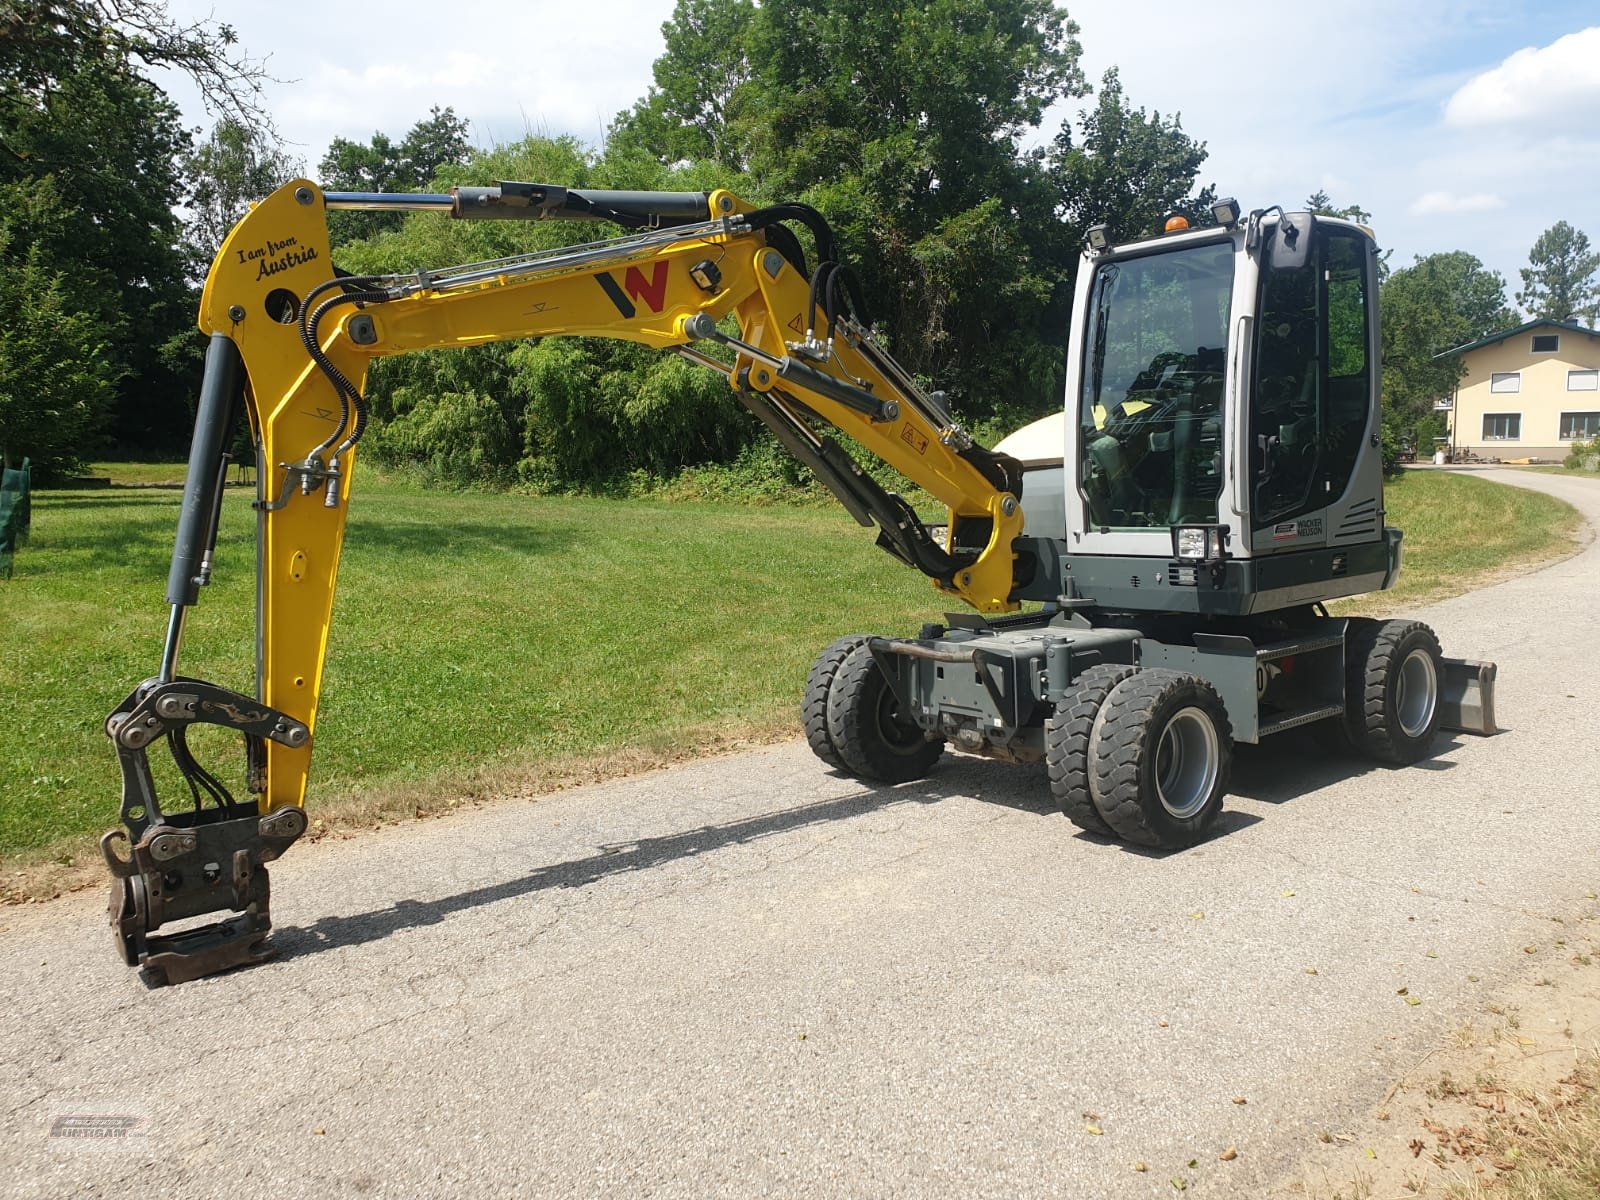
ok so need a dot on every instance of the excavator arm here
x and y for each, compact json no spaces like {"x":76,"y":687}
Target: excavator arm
{"x":291,"y":339}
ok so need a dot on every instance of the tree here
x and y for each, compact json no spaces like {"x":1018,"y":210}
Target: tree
{"x":1559,"y":282}
{"x":903,"y":125}
{"x":43,"y":40}
{"x":693,"y":112}
{"x":1318,"y":202}
{"x":232,"y":168}
{"x":88,"y":149}
{"x":1438,"y":303}
{"x":1127,"y":169}
{"x":437,"y":141}
{"x":56,"y":380}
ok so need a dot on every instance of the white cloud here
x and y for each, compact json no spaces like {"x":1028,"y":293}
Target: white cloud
{"x":1560,"y":82}
{"x":1435,"y":203}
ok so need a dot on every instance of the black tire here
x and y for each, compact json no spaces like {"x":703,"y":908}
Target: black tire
{"x":1160,"y":754}
{"x":867,"y":730}
{"x":1066,"y":744}
{"x":1391,"y":689}
{"x":814,"y":705}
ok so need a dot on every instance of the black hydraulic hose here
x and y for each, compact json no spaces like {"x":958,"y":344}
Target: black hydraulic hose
{"x":349,"y":395}
{"x":818,"y":282}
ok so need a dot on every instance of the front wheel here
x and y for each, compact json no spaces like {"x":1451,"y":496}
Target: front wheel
{"x":1391,"y":689}
{"x":1160,"y":754}
{"x":873,"y":739}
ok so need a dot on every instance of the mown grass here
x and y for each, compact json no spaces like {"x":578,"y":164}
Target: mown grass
{"x":1461,"y":531}
{"x":482,"y":639}
{"x":471,"y":629}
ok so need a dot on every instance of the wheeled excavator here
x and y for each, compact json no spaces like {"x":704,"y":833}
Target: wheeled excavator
{"x":1146,"y":571}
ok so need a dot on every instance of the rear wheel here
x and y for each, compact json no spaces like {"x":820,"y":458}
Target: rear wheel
{"x":1391,"y":689}
{"x":1160,"y":753}
{"x":814,"y":706}
{"x":873,"y":739}
{"x":1066,"y":744}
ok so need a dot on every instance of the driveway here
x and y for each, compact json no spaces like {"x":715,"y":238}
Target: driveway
{"x":748,"y":976}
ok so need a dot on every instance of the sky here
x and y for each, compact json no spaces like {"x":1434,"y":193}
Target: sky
{"x":1459,"y":124}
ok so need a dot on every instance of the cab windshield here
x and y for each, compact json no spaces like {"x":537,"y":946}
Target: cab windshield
{"x":1150,"y":414}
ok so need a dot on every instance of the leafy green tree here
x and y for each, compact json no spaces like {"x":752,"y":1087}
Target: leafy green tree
{"x":234,"y":167}
{"x":437,"y":142}
{"x":56,"y":380}
{"x":1559,"y":283}
{"x":1438,"y":303}
{"x":88,"y":150}
{"x":693,"y":111}
{"x":1126,"y":168}
{"x":1318,"y":202}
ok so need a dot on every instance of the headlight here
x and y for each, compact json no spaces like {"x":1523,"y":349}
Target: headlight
{"x":1199,"y":543}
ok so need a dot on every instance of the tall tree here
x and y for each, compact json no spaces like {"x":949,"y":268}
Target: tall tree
{"x":87,"y":172}
{"x":1559,"y":283}
{"x":904,"y":125}
{"x":1438,"y":303}
{"x":437,"y":142}
{"x":693,"y":111}
{"x":1126,"y":168}
{"x":56,"y":379}
{"x":235,"y":166}
{"x":1320,"y":203}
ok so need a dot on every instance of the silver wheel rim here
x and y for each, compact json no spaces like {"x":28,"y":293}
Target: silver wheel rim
{"x":1416,"y":693}
{"x":1186,"y":762}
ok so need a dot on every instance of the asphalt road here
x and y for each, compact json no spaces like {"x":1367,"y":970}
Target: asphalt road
{"x":748,"y":976}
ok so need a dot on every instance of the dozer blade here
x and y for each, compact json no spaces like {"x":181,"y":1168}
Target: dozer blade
{"x":1466,"y":696}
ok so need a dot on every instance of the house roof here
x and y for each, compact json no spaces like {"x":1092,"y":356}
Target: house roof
{"x":1568,"y":326}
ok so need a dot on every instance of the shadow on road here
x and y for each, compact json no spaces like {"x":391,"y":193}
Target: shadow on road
{"x":1273,"y":773}
{"x":1020,"y":788}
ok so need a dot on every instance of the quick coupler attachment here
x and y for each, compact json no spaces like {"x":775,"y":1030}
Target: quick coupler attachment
{"x":207,"y":860}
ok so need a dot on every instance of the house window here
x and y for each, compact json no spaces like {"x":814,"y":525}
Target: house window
{"x":1583,"y":381}
{"x":1546,"y":343}
{"x":1576,"y":426}
{"x":1502,"y":427}
{"x":1505,"y":381}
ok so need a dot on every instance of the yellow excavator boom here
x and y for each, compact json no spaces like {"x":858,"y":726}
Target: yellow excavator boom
{"x":707,"y":276}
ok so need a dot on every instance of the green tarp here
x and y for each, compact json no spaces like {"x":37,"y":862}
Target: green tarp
{"x":14,"y":513}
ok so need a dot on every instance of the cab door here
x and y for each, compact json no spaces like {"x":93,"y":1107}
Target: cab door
{"x":1314,"y":471}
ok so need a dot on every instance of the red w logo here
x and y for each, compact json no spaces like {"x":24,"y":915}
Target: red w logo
{"x":652,"y":292}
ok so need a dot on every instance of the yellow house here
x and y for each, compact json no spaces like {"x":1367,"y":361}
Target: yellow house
{"x":1528,"y":392}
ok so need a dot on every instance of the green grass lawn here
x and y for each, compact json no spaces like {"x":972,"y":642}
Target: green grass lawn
{"x":481,"y":637}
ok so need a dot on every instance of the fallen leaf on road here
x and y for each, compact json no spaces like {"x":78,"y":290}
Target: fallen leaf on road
{"x":1195,"y":916}
{"x":1371,"y":1153}
{"x":319,"y":1131}
{"x":1412,"y":1000}
{"x":1240,"y":1100}
{"x":1193,"y":1163}
{"x":1402,"y":991}
{"x":1288,"y":892}
{"x":1229,"y":1154}
{"x":1522,"y":1041}
{"x":1311,"y":970}
{"x":1140,"y":1167}
{"x":1163,"y":1024}
{"x":1433,"y":954}
{"x":1530,"y":949}
{"x":1179,"y":1183}
{"x":1094,"y":1129}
